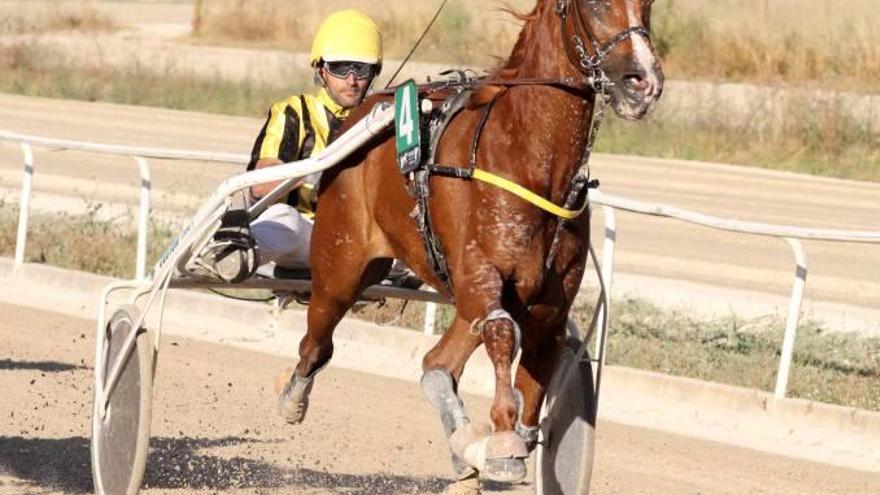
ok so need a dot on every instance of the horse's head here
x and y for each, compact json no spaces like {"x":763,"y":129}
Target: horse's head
{"x":610,"y":40}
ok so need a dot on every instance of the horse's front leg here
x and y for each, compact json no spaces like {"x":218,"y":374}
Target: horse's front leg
{"x":443,"y":366}
{"x":505,"y":450}
{"x":542,"y":345}
{"x":497,"y":453}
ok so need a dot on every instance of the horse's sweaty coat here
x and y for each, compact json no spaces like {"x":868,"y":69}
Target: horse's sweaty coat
{"x":504,"y":255}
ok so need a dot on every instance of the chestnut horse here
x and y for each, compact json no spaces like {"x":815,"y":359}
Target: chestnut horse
{"x":507,"y":295}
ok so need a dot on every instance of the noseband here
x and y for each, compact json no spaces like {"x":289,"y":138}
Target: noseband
{"x":576,"y":48}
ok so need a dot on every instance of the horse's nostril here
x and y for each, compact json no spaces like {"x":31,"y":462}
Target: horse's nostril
{"x":637,"y":82}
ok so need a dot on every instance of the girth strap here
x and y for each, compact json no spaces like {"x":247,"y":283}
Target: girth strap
{"x":513,"y":188}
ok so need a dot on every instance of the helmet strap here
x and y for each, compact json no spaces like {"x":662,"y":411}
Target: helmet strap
{"x":319,"y":81}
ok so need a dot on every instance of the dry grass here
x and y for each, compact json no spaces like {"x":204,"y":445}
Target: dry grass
{"x":839,"y":368}
{"x":471,"y":33}
{"x":786,"y":132}
{"x":81,"y":242}
{"x":749,"y":40}
{"x":34,"y":70}
{"x":772,"y":42}
{"x":35,"y":16}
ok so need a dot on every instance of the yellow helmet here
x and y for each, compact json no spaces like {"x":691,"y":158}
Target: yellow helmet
{"x":347,"y":35}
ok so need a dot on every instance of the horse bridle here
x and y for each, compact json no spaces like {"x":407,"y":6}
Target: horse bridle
{"x":576,"y":48}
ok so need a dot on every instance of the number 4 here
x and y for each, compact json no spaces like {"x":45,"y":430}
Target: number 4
{"x":406,"y":121}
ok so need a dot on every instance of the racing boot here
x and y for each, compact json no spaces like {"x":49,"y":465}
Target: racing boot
{"x":232,"y":253}
{"x":293,"y":395}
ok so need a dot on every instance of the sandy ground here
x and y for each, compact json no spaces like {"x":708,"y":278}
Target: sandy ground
{"x":214,"y":431}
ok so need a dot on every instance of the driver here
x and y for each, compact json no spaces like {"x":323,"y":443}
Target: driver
{"x":346,"y":56}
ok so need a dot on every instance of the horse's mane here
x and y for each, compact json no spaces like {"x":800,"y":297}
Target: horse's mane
{"x":511,"y":66}
{"x":508,"y":68}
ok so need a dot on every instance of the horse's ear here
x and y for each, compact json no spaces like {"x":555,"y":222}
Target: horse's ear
{"x":483,"y":95}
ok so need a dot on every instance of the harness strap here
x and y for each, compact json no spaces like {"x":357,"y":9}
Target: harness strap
{"x":525,"y":194}
{"x":472,"y":162}
{"x":512,"y":187}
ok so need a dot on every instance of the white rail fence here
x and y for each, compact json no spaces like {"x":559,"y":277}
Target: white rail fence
{"x":792,"y":235}
{"x":140,"y":156}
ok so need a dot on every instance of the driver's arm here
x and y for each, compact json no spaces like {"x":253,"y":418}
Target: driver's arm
{"x":261,"y":190}
{"x":277,"y":143}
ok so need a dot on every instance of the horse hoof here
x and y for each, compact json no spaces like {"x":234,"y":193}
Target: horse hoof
{"x":509,"y":470}
{"x":293,"y":401}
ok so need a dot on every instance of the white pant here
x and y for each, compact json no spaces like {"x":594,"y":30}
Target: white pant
{"x":283,"y":235}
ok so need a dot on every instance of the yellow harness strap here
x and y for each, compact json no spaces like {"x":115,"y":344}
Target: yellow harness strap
{"x":525,"y":194}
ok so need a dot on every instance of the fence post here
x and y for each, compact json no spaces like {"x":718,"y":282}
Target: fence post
{"x":607,"y":277}
{"x":24,"y":207}
{"x":794,"y":312}
{"x":143,"y":218}
{"x":430,"y":318}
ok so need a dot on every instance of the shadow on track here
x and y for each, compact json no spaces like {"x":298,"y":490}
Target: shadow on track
{"x":44,"y":366}
{"x":177,"y":463}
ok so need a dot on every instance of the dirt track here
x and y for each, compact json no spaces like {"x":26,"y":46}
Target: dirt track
{"x":214,"y":430}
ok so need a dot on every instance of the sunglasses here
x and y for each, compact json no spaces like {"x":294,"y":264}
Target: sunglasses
{"x":341,"y":70}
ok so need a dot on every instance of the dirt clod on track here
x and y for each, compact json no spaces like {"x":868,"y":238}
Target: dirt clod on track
{"x":215,"y":430}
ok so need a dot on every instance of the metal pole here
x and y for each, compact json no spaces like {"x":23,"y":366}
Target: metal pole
{"x":24,"y":206}
{"x":430,"y":318}
{"x":794,"y":312}
{"x":143,"y":218}
{"x":607,"y":276}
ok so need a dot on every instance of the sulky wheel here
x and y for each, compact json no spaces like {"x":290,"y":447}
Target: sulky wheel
{"x":564,"y":456}
{"x":120,"y":439}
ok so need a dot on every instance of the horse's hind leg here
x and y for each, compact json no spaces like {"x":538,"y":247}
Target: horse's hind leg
{"x":337,"y":279}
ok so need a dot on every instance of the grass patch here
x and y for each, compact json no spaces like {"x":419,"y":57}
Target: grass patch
{"x":779,"y":41}
{"x":47,"y":16}
{"x":839,"y":368}
{"x":473,"y":34}
{"x":82,"y":242}
{"x":33,"y":70}
{"x":785,"y":133}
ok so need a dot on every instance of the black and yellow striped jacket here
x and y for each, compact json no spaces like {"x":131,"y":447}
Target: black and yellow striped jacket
{"x":298,"y":128}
